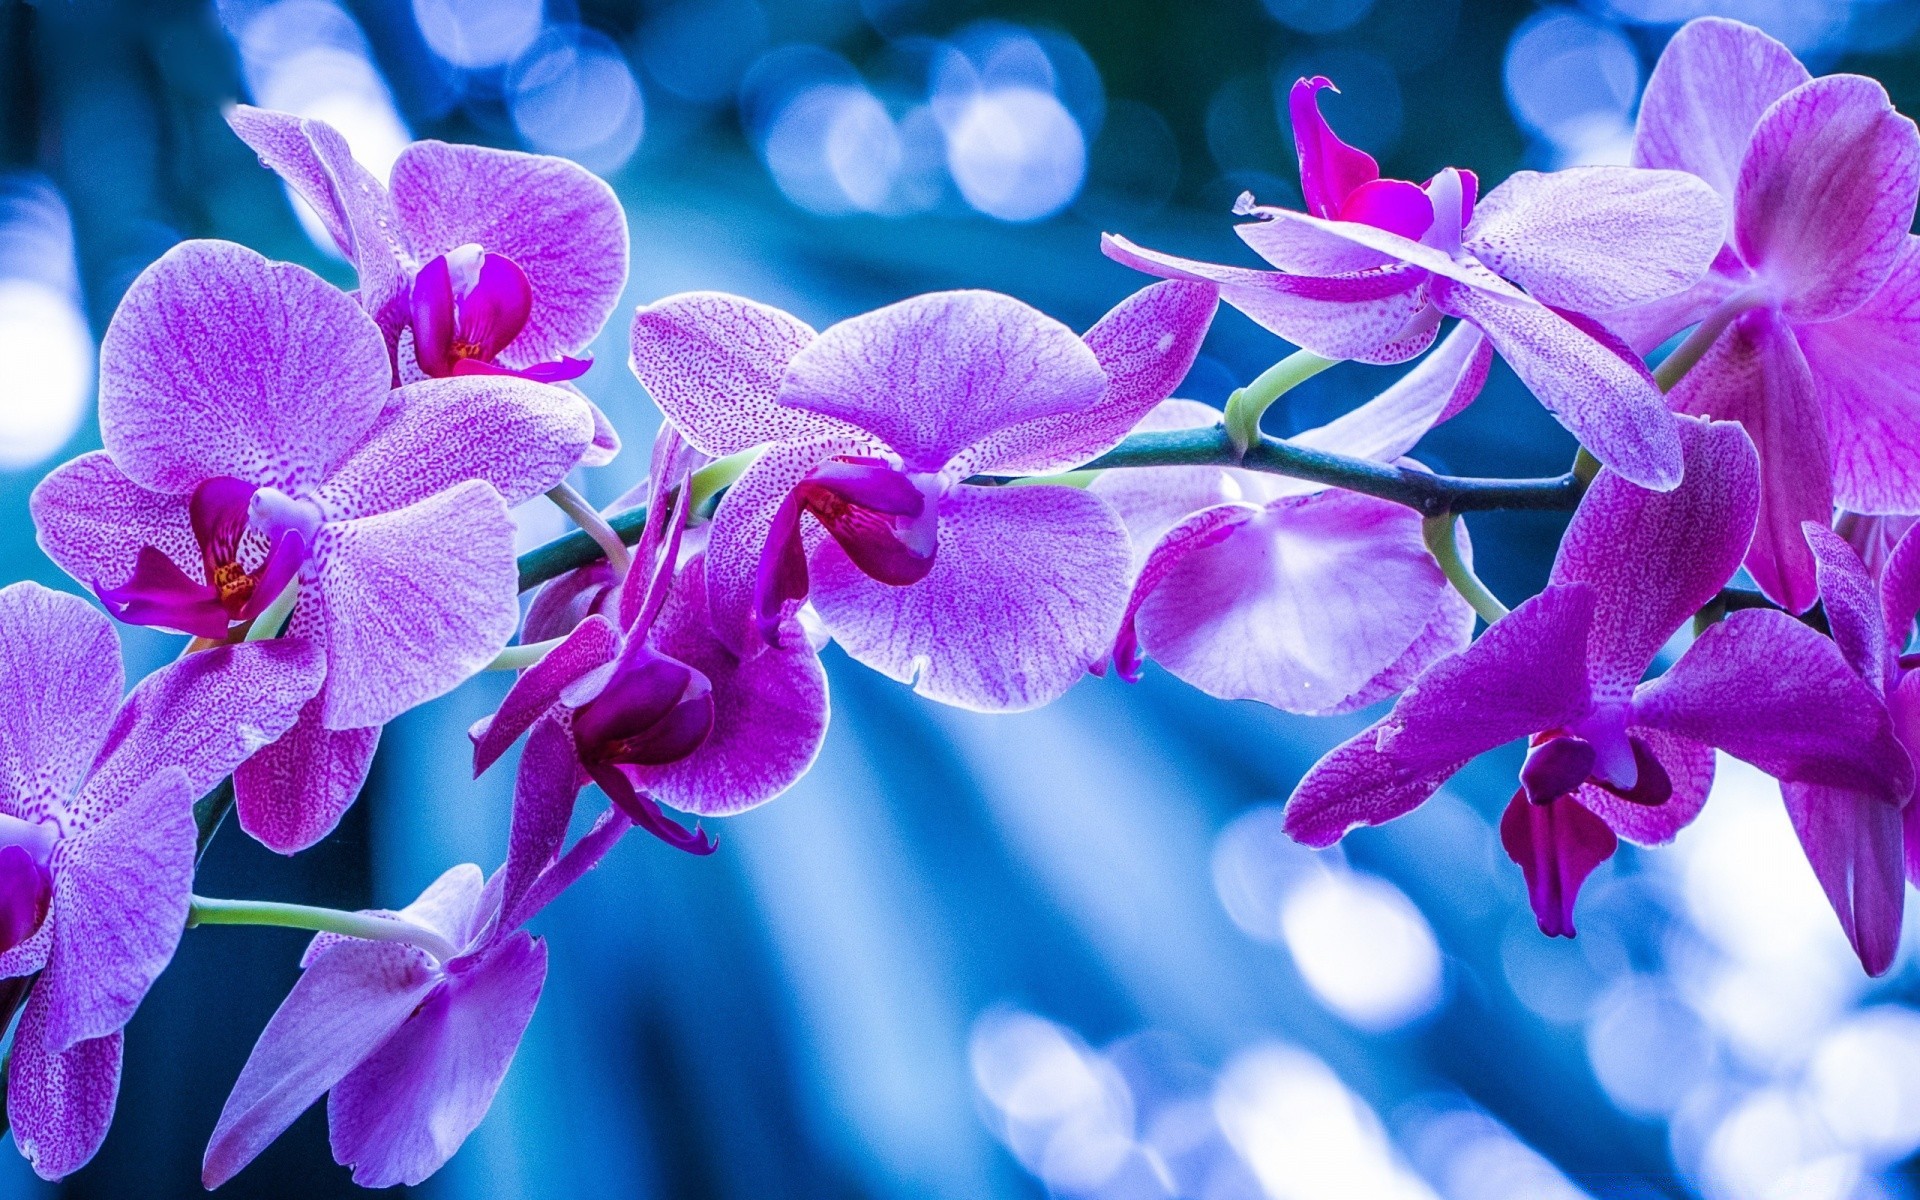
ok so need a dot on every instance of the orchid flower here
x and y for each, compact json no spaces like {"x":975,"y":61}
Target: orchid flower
{"x":1314,"y":600}
{"x":475,"y":262}
{"x":97,"y":838}
{"x":1610,"y":756}
{"x":653,"y":705}
{"x":1810,"y":319}
{"x":991,"y":598}
{"x":1368,"y":271}
{"x":409,"y":1038}
{"x":1865,"y":843}
{"x":252,"y":444}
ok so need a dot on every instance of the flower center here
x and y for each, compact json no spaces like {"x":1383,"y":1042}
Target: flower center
{"x":26,"y":885}
{"x":253,"y":542}
{"x":466,"y":307}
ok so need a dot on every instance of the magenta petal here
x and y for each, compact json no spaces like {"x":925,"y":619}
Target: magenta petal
{"x":593,"y":643}
{"x":1609,"y":404}
{"x":1755,"y":374}
{"x":1852,"y":606}
{"x":645,"y":812}
{"x":1026,"y":592}
{"x":1900,"y":590}
{"x":93,"y":521}
{"x":1557,"y":844}
{"x":349,"y":1001}
{"x":1862,"y":373}
{"x":544,"y":790}
{"x":1688,"y":770}
{"x":1370,"y":316}
{"x":1826,"y":195}
{"x":557,"y":221}
{"x":520,"y":437}
{"x":63,"y":680}
{"x":1394,"y":205}
{"x":413,"y":602}
{"x":120,"y":891}
{"x":25,"y":893}
{"x":1526,"y":674}
{"x":1855,"y":845}
{"x":494,"y":310}
{"x":218,"y":362}
{"x":1300,"y":606}
{"x":1706,"y":94}
{"x":60,"y":1103}
{"x":1330,"y":169}
{"x":1656,"y":558}
{"x":1597,"y":239}
{"x":431,"y":316}
{"x":769,"y":711}
{"x":1555,"y":768}
{"x":1772,"y":692}
{"x":400,"y":1114}
{"x":561,"y":604}
{"x":160,"y":594}
{"x":292,"y":793}
{"x":932,"y":375}
{"x":1146,"y":346}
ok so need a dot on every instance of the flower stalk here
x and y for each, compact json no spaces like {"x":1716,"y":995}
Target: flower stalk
{"x":595,"y":526}
{"x":1442,"y":537}
{"x":209,"y":911}
{"x":1248,"y":404}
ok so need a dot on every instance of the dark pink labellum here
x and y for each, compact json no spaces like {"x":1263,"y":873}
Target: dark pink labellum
{"x":1651,"y":783}
{"x":26,"y":886}
{"x":647,"y":813}
{"x":466,"y":306}
{"x":1555,"y":767}
{"x":1557,"y":844}
{"x":655,"y":710}
{"x":222,"y":511}
{"x":878,"y":515}
{"x":1342,"y":182}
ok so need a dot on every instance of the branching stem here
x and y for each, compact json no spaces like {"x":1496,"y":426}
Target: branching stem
{"x":1248,"y":404}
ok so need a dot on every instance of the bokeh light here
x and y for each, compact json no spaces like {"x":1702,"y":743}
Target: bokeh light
{"x":573,"y":94}
{"x":44,"y":340}
{"x":1363,"y":948}
{"x":1572,"y":80}
{"x":478,"y":34}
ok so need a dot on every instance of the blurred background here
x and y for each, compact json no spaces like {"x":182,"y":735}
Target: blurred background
{"x":1066,"y":953}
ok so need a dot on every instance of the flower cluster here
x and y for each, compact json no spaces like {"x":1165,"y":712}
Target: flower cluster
{"x":315,"y":487}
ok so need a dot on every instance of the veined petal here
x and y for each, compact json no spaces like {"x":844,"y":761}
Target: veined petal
{"x":61,"y":662}
{"x":59,"y":1103}
{"x":1863,"y":377}
{"x":1826,"y":195}
{"x":1171,"y":544}
{"x":1852,"y":606}
{"x":1755,"y":374}
{"x":292,"y":793}
{"x":544,"y":790}
{"x":1526,"y":674}
{"x":1654,"y":559}
{"x":218,"y":362}
{"x":1688,"y":766}
{"x":1300,"y":606}
{"x":592,"y":644}
{"x":1772,"y":692}
{"x":350,"y":1000}
{"x":714,"y":362}
{"x":1609,"y":404}
{"x":1596,"y":239}
{"x":1395,"y":247}
{"x":933,"y":375}
{"x":558,"y":222}
{"x":769,"y":711}
{"x":1854,"y":842}
{"x":1438,"y":387}
{"x":413,"y":602}
{"x":1370,"y":316}
{"x":94,"y":522}
{"x":404,"y":1110}
{"x":1900,"y":590}
{"x":1706,"y":94}
{"x":1146,"y":346}
{"x":520,"y":437}
{"x":120,"y":893}
{"x":1026,"y":593}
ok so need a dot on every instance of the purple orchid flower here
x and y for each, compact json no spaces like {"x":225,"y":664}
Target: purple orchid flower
{"x":1813,"y":304}
{"x":655,"y":706}
{"x":991,"y":598}
{"x":410,"y":1038}
{"x":1368,"y":271}
{"x":1865,"y":843}
{"x":476,"y":261}
{"x":1314,"y":600}
{"x":251,"y":440}
{"x":1611,"y":756}
{"x":97,"y":838}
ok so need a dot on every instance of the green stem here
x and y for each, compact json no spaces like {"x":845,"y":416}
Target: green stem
{"x":207,"y":911}
{"x":717,"y":476}
{"x":576,"y":549}
{"x":1246,"y":406}
{"x":595,"y":526}
{"x":1696,"y":344}
{"x":273,"y":618}
{"x":519,"y":658}
{"x":1441,"y":538}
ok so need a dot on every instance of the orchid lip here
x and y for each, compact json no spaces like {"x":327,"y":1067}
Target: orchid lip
{"x":466,"y":307}
{"x":26,"y":883}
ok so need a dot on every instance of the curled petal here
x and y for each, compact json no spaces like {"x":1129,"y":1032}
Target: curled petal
{"x":1685,"y":767}
{"x":1557,"y":844}
{"x":1330,"y":169}
{"x":592,"y":644}
{"x":1855,"y":842}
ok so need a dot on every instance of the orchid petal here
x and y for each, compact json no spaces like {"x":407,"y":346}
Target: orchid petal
{"x":1862,"y":367}
{"x":1900,"y":590}
{"x":1713,"y":81}
{"x":60,"y":1103}
{"x":1437,"y":388}
{"x":1688,"y":767}
{"x":1526,"y":674}
{"x":218,"y":362}
{"x":1330,"y":169}
{"x":94,"y":522}
{"x":61,"y":662}
{"x":544,"y":790}
{"x":413,"y":602}
{"x":1854,"y":843}
{"x":593,"y":643}
{"x":1026,"y":592}
{"x":292,"y":793}
{"x":1557,"y":844}
{"x":1852,"y":606}
{"x":1826,"y":195}
{"x":1755,"y":374}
